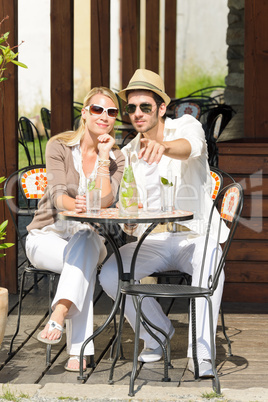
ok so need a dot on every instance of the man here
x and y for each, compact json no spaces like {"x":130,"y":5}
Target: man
{"x":175,"y":150}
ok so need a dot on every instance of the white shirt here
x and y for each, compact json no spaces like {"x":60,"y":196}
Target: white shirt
{"x":192,"y":176}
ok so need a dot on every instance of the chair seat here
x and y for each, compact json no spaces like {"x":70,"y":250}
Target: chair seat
{"x":165,"y":290}
{"x":31,"y":269}
{"x":26,"y":211}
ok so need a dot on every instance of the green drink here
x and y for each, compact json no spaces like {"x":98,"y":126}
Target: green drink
{"x":128,"y":192}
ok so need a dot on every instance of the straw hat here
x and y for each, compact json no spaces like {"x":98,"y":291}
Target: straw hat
{"x":146,"y":79}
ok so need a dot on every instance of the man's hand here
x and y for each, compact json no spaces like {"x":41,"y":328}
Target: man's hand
{"x":151,"y":151}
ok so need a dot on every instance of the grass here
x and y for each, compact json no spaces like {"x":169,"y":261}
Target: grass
{"x":23,"y":161}
{"x":10,"y":396}
{"x":212,"y":395}
{"x":194,"y":79}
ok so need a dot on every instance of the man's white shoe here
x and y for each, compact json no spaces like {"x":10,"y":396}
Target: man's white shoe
{"x":205,"y":368}
{"x":153,"y":355}
{"x":150,"y":355}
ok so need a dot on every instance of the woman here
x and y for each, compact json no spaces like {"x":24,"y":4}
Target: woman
{"x":72,"y":248}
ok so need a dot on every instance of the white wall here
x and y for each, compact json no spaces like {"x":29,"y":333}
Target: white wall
{"x":34,"y":29}
{"x":201,"y":34}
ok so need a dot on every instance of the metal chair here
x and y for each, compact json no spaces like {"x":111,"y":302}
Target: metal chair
{"x":46,"y":118}
{"x":186,"y":107}
{"x":217,"y":176}
{"x":196,"y":106}
{"x":28,"y":131}
{"x":31,"y":183}
{"x":213,"y":91}
{"x":77,"y":108}
{"x":214,"y":124}
{"x":230,"y":203}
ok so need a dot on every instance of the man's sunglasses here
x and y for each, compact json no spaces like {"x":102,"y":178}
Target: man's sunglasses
{"x":144,"y":107}
{"x":98,"y":110}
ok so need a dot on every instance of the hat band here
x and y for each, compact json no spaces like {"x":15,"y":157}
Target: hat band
{"x":145,"y":84}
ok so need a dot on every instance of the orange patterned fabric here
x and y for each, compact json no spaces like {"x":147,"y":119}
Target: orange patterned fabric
{"x":229,"y":204}
{"x":217,"y":184}
{"x":34,"y":182}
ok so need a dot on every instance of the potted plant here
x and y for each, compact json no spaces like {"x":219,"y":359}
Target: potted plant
{"x":7,"y":55}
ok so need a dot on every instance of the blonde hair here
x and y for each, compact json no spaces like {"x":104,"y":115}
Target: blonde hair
{"x":72,"y":137}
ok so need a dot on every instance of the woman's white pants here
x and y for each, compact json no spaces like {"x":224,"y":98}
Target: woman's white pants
{"x":164,"y":252}
{"x":76,"y":260}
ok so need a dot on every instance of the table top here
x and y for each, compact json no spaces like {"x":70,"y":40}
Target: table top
{"x":112,"y":215}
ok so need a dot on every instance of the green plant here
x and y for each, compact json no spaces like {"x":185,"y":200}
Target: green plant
{"x":7,"y":55}
{"x":3,"y":226}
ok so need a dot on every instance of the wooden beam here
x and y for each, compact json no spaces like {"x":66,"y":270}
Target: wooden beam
{"x":100,"y":43}
{"x":170,"y":47}
{"x":9,"y":140}
{"x":62,"y":17}
{"x":129,"y":39}
{"x":256,"y":66}
{"x":152,"y":35}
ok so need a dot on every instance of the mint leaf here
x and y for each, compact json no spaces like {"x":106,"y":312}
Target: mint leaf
{"x":128,"y":175}
{"x":165,"y":182}
{"x":91,"y":186}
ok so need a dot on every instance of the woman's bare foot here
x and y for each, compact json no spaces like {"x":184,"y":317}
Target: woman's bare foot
{"x":73,"y":363}
{"x":58,"y":316}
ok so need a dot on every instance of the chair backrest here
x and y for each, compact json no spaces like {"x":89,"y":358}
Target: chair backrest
{"x":226,"y":177}
{"x":198,"y":106}
{"x":28,"y":133}
{"x":217,"y":181}
{"x":187,"y":108}
{"x":46,"y":120}
{"x":33,"y":182}
{"x":216,"y":120}
{"x":77,"y":108}
{"x":229,"y":202}
{"x":27,"y":185}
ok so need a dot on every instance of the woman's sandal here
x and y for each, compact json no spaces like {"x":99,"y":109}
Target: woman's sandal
{"x":77,"y":358}
{"x":52,"y":325}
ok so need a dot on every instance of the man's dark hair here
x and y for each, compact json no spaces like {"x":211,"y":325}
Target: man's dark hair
{"x":158,"y":100}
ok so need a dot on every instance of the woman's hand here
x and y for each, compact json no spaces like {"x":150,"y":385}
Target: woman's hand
{"x":106,"y":142}
{"x":80,"y":203}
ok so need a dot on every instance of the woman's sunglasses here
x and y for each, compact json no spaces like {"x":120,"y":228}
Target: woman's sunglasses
{"x":98,"y":110}
{"x":144,"y":107}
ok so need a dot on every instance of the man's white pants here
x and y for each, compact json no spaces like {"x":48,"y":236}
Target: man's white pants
{"x":76,"y":261}
{"x":164,"y":252}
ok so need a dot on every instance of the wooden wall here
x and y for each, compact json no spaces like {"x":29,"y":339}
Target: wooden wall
{"x":246,"y":268}
{"x":246,"y":159}
{"x":62,"y":22}
{"x":256,"y":63}
{"x":9,"y":140}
